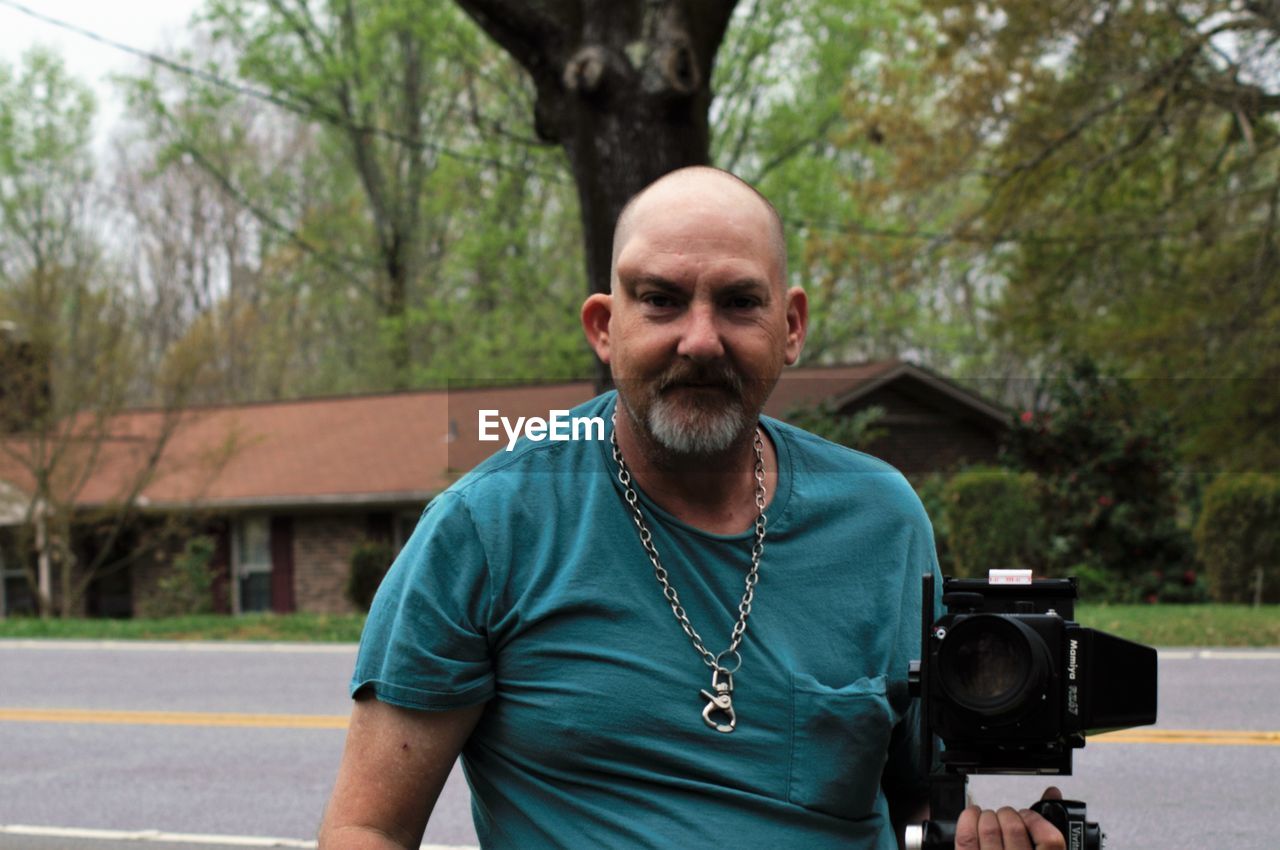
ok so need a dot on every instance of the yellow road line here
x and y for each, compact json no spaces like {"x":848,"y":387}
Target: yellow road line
{"x":1220,"y":737}
{"x":1223,"y":737}
{"x":174,"y":718}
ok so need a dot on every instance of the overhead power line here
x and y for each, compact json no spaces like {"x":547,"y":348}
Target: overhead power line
{"x":333,"y":118}
{"x":1005,"y":238}
{"x":311,"y":112}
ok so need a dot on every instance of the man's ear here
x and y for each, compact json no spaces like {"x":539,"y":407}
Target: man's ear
{"x":596,"y":312}
{"x":797,"y":322}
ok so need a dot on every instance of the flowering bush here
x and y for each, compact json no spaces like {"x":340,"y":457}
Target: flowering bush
{"x":1106,"y":477}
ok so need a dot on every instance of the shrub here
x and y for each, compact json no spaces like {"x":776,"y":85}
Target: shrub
{"x":857,"y":430}
{"x":369,"y":563}
{"x":1237,"y":534}
{"x":1180,"y":587}
{"x":187,"y":586}
{"x":1106,"y":467}
{"x":1095,"y":584}
{"x":931,"y":489}
{"x":992,"y":521}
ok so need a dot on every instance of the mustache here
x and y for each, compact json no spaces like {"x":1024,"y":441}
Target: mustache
{"x":713,"y":375}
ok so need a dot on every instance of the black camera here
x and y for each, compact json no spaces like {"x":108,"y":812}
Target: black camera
{"x":1010,"y":683}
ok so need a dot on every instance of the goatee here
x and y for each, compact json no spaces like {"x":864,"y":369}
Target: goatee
{"x":696,"y":410}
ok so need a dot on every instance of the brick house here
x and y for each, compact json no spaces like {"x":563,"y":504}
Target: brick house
{"x":289,"y":489}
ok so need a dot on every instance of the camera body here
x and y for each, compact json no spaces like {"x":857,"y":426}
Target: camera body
{"x":1009,"y":683}
{"x":1015,"y":684}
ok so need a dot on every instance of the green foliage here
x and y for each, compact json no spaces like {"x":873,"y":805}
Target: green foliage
{"x":857,"y":431}
{"x":186,"y":588}
{"x":1113,"y":169}
{"x":993,"y":521}
{"x":369,"y":563}
{"x":1105,"y":467}
{"x":795,"y":83}
{"x":390,"y":219}
{"x":932,"y":490}
{"x":1238,"y":533}
{"x":1095,"y":584}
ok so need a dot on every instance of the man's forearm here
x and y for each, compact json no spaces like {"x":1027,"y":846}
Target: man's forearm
{"x":358,"y":838}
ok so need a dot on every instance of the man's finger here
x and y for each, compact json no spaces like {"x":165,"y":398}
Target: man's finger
{"x":967,"y":829}
{"x":1051,"y":793}
{"x":1044,"y":835}
{"x":1012,"y":830}
{"x":990,"y":835}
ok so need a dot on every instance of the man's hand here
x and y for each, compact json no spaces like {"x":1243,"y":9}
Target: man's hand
{"x":1007,"y":829}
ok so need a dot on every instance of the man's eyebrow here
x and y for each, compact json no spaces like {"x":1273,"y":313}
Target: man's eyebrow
{"x":634,"y":282}
{"x":746,"y":284}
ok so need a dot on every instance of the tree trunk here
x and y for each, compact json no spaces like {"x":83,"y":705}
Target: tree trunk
{"x":623,"y":87}
{"x":44,"y":571}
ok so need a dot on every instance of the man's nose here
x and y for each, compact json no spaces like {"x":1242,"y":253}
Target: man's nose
{"x":701,"y":337}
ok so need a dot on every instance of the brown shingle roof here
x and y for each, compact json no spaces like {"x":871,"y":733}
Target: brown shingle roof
{"x":401,"y":447}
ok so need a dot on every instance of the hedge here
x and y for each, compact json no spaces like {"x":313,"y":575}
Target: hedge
{"x":369,"y":564}
{"x":993,"y":521}
{"x":1238,"y":533}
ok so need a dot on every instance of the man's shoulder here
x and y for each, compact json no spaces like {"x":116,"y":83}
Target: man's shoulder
{"x":566,"y":446}
{"x":818,"y":451}
{"x":851,"y":475}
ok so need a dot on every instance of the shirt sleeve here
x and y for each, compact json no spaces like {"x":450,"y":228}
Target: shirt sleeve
{"x":425,"y":644}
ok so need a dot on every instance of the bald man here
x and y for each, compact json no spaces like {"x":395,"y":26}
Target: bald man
{"x":692,"y":633}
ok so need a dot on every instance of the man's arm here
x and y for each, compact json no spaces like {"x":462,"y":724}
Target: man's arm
{"x":395,"y":763}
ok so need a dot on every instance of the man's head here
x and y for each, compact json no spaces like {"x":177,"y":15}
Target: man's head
{"x":698,"y":323}
{"x":622,"y":231}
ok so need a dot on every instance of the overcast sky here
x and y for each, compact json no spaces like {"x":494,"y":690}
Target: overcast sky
{"x":152,"y":25}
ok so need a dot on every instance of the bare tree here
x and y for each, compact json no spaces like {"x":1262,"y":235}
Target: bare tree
{"x":72,"y":352}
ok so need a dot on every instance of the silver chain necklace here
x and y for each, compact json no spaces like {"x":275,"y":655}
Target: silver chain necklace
{"x":720,"y":698}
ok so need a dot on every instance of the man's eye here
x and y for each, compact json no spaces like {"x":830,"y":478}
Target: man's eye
{"x":744,"y":302}
{"x":658,"y":300}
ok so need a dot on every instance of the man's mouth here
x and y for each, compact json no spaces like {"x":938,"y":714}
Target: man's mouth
{"x":694,"y":385}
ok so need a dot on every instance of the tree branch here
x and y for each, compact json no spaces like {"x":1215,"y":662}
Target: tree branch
{"x":530,"y":32}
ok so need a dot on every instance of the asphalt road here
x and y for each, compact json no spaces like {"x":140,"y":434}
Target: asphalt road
{"x":154,"y":746}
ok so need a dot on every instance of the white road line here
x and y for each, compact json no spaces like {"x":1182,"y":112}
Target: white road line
{"x":1220,"y":654}
{"x":155,"y":835}
{"x":1240,"y":655}
{"x":176,"y":645}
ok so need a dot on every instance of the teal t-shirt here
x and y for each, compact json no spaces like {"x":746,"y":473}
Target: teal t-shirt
{"x":525,"y":586}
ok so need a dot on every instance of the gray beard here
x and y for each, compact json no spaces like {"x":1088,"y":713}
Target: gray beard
{"x":705,"y":432}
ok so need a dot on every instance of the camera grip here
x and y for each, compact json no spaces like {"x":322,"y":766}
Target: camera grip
{"x":1069,"y":816}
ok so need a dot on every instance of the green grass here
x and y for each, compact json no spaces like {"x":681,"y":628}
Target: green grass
{"x":266,"y":627}
{"x":1157,"y":625}
{"x":1186,"y":625}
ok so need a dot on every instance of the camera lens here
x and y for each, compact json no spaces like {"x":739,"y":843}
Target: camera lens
{"x":989,"y":666}
{"x":992,"y":665}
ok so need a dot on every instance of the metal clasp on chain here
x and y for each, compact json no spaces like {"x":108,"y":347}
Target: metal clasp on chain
{"x":721,"y":702}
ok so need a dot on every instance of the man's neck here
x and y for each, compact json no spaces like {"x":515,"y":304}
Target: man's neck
{"x":713,"y":492}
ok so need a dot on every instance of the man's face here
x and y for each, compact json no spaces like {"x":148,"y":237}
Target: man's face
{"x":700,"y":325}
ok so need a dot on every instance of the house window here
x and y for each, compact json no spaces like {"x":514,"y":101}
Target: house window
{"x":15,"y":591}
{"x":253,"y":564}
